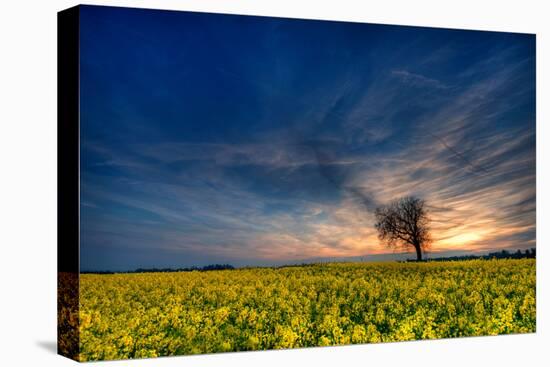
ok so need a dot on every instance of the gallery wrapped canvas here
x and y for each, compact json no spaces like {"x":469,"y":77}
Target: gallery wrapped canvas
{"x":233,"y":183}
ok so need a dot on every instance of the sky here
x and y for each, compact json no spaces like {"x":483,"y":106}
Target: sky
{"x":264,"y":141}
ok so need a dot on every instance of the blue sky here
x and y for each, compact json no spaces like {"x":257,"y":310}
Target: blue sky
{"x":256,"y":141}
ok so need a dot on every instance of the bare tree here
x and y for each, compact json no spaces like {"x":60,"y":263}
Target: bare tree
{"x":404,"y":222}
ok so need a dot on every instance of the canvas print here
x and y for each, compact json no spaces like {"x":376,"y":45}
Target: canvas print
{"x":235,"y":183}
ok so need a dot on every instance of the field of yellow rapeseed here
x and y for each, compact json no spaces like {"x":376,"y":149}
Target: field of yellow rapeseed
{"x":162,"y":314}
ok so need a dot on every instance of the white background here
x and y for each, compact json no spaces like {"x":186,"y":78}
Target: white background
{"x":28,"y":181}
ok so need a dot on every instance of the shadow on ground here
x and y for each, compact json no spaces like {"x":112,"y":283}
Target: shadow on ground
{"x":48,"y":345}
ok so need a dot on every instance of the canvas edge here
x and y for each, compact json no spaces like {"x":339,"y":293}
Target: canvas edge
{"x":68,"y":195}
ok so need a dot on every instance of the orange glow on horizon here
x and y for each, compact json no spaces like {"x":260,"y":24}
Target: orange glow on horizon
{"x":460,"y":240}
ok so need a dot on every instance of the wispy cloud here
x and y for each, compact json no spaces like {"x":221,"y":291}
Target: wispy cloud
{"x":418,"y":80}
{"x":315,"y":150}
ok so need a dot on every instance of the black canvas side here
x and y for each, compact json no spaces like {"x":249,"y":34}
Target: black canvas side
{"x":68,"y":202}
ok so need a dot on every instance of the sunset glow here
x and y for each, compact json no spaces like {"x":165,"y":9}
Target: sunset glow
{"x":227,"y":140}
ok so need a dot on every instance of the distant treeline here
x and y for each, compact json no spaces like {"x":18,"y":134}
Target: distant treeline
{"x":167,"y":270}
{"x":504,"y":254}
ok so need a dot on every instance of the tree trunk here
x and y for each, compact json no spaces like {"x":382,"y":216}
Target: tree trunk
{"x":418,"y":253}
